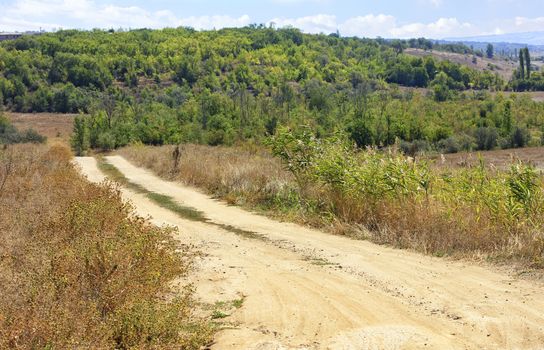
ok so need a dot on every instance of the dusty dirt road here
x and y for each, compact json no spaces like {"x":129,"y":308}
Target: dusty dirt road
{"x":305,"y":289}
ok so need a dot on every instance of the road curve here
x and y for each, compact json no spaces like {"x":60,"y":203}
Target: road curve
{"x":305,"y":289}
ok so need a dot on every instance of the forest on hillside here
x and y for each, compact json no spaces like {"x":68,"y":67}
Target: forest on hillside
{"x":221,"y":87}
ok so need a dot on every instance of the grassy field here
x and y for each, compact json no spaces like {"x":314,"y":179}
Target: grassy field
{"x":79,"y":270}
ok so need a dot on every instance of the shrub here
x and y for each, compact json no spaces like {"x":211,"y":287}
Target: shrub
{"x":79,"y":269}
{"x":80,"y":138}
{"x":519,"y":137}
{"x":106,"y":141}
{"x":414,"y":148}
{"x":486,"y":138}
{"x":449,"y":145}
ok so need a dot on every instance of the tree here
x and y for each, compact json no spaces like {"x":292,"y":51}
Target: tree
{"x":521,"y":64}
{"x":360,"y":133}
{"x":489,"y":51}
{"x":80,"y":138}
{"x":507,"y":117}
{"x":520,"y":137}
{"x":527,"y":62}
{"x":486,"y":138}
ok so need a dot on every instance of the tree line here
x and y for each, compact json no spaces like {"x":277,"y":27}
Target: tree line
{"x":222,"y":87}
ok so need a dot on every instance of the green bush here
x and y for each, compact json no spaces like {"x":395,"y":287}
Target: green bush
{"x":486,"y":138}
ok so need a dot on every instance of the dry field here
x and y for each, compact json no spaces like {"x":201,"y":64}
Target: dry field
{"x":501,"y":159}
{"x":503,"y":67}
{"x":56,"y":127}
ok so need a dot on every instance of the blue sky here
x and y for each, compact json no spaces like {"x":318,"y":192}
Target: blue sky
{"x":371,"y":18}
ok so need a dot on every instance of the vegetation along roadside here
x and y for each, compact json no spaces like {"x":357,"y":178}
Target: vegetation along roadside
{"x":78,"y":269}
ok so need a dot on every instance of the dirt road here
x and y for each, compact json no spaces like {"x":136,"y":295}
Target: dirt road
{"x":305,"y":289}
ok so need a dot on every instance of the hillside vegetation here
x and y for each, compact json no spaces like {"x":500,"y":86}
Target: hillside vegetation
{"x":385,"y":197}
{"x":78,"y":269}
{"x":222,"y":87}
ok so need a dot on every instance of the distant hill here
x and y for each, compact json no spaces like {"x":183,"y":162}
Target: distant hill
{"x":505,"y":44}
{"x":528,"y":38}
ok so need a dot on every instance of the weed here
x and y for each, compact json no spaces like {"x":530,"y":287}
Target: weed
{"x":237,"y":303}
{"x":219,"y":314}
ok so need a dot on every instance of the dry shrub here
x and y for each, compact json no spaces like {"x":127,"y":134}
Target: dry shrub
{"x":79,"y":269}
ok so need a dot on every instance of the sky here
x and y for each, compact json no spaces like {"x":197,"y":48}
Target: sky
{"x":435,"y":19}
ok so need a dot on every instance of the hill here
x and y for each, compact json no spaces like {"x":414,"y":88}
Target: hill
{"x":237,"y":85}
{"x":505,"y":68}
{"x":526,"y":38}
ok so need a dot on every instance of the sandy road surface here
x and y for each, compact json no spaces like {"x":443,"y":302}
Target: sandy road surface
{"x":305,"y":289}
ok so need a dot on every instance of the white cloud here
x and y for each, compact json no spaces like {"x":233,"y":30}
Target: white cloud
{"x":310,"y":24}
{"x":34,"y":14}
{"x":379,"y":25}
{"x":368,"y":26}
{"x":443,"y":27}
{"x":524,"y":24}
{"x":49,"y":14}
{"x":211,"y":22}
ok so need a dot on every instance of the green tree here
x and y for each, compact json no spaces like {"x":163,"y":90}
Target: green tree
{"x":521,"y":64}
{"x":360,"y":133}
{"x":507,"y":117}
{"x":527,"y":62}
{"x":489,"y":51}
{"x":80,"y":138}
{"x":520,"y":137}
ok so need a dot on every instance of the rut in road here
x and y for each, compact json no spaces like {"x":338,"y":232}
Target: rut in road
{"x":305,"y":289}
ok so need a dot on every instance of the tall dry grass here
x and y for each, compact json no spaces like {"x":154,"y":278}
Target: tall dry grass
{"x":240,"y":175}
{"x":386,"y":198}
{"x":78,"y":269}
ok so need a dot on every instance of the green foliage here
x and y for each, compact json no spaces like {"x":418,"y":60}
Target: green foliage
{"x":489,"y":51}
{"x":404,"y":201}
{"x":221,"y":87}
{"x":80,"y":137}
{"x":486,"y":138}
{"x":520,"y":137}
{"x":296,"y":149}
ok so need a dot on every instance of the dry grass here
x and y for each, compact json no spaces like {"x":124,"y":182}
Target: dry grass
{"x":501,"y":159}
{"x":56,"y":127}
{"x":239,"y":175}
{"x":459,"y":216}
{"x":78,"y":269}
